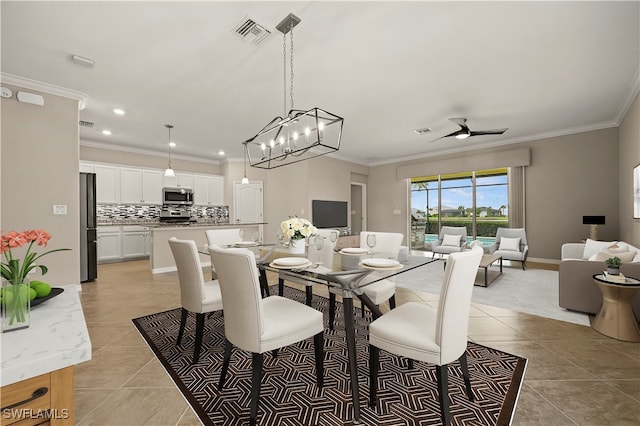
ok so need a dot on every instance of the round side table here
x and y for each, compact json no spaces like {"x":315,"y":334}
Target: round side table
{"x":615,"y":317}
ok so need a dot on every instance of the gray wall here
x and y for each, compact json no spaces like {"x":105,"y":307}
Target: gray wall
{"x":629,"y":157}
{"x":40,"y":169}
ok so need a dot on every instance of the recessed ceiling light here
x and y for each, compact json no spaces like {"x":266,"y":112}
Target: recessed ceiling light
{"x":172,"y":144}
{"x":221,"y":152}
{"x":81,"y":60}
{"x":118,"y":111}
{"x":423,"y":130}
{"x":106,"y":132}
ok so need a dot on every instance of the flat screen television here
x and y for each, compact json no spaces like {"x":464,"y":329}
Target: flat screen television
{"x":329,"y":214}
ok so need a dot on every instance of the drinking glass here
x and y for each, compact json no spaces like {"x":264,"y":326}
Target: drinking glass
{"x":242,"y":233}
{"x":371,"y":242}
{"x":333,"y":236}
{"x":318,"y":243}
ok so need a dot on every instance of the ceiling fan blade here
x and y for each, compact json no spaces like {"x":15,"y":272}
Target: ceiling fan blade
{"x":488,"y":132}
{"x":462,"y":122}
{"x":456,"y":133}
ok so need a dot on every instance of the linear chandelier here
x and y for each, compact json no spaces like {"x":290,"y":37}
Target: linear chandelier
{"x":297,"y":135}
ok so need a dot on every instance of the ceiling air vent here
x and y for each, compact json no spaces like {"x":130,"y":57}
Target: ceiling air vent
{"x":85,"y":123}
{"x":250,"y":31}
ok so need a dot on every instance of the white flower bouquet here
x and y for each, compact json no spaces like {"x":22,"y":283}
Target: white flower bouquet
{"x":297,"y":229}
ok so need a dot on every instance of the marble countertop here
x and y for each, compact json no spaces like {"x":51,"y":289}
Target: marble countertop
{"x":57,"y":337}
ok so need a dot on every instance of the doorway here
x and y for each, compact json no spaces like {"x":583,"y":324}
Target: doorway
{"x":358,"y":207}
{"x":248,"y":204}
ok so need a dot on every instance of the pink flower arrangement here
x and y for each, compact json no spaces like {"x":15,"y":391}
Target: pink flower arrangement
{"x":12,"y":270}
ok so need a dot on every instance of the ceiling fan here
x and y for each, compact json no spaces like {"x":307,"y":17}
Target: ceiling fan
{"x":465,"y":132}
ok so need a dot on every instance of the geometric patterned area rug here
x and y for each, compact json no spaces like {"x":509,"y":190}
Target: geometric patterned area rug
{"x":289,"y":395}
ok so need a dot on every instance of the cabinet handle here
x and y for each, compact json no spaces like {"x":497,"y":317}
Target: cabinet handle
{"x":35,"y":395}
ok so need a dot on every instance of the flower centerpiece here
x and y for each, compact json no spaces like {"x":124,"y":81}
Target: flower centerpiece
{"x":15,"y":292}
{"x":295,"y":230}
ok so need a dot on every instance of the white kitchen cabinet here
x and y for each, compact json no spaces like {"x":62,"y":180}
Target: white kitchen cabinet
{"x":109,"y":243}
{"x":208,"y":190}
{"x":140,"y":186}
{"x":135,"y":242}
{"x":107,"y":180}
{"x":152,"y":186}
{"x":180,"y":180}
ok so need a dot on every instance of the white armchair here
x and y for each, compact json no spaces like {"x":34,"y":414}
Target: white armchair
{"x":451,"y":239}
{"x":511,"y":244}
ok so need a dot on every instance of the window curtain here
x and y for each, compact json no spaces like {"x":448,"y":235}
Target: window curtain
{"x":516,"y":178}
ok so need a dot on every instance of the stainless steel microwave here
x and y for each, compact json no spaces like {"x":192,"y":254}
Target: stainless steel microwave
{"x":177,"y":196}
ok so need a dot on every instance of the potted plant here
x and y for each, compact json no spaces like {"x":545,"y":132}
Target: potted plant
{"x":613,"y":265}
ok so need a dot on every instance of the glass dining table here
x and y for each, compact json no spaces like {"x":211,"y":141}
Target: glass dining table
{"x":349,"y":275}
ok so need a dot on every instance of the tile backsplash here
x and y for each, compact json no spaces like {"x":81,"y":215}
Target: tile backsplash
{"x":111,"y":213}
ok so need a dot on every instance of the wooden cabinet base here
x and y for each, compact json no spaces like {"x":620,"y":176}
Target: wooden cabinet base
{"x":47,"y":399}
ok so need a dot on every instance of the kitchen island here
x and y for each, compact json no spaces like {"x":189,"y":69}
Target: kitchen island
{"x":161,"y":258}
{"x":42,"y":357}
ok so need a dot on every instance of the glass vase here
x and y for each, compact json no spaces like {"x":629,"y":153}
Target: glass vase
{"x":15,"y":308}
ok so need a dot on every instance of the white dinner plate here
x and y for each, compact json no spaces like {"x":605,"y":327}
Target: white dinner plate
{"x":380,"y":263}
{"x":354,"y":250}
{"x":290,"y":261}
{"x":245,"y":244}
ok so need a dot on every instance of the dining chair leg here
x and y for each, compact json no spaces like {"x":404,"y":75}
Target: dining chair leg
{"x":183,"y":322}
{"x":319,"y":351}
{"x":465,"y":374}
{"x":409,"y":364}
{"x":374,"y":366}
{"x":522,"y":265}
{"x":256,"y":377}
{"x":443,"y":393}
{"x":225,"y":364}
{"x":332,"y":309}
{"x":309,"y":295}
{"x":280,"y":287}
{"x":392,"y":302}
{"x":199,"y":333}
{"x":274,"y":353}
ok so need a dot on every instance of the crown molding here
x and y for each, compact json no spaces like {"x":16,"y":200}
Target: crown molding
{"x":123,"y":148}
{"x":634,"y":89}
{"x":50,"y":89}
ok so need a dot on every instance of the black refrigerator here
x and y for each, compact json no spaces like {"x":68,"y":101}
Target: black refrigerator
{"x":88,"y":238}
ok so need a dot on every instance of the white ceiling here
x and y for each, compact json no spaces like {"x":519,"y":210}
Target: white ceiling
{"x":539,"y":68}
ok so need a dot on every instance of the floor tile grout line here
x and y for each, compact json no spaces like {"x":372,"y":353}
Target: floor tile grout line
{"x":552,"y":404}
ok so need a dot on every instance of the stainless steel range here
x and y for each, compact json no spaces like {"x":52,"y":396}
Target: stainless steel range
{"x":171,"y":214}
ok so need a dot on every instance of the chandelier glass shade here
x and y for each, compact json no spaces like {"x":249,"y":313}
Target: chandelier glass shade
{"x":298,"y":136}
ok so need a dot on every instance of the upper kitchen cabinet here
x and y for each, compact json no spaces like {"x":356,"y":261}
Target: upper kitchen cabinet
{"x":140,"y":186}
{"x":107,"y":179}
{"x":208,"y":190}
{"x":180,"y":180}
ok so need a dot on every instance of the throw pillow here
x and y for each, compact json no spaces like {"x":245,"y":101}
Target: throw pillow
{"x":511,"y":244}
{"x":451,"y":240}
{"x":592,"y":247}
{"x":625,"y":257}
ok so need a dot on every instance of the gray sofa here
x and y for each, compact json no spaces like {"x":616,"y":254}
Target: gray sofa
{"x":578,"y":292}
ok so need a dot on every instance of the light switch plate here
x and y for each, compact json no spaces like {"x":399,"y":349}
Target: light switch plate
{"x":59,"y":209}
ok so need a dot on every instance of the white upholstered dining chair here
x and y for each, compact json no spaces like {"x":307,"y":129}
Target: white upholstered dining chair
{"x":259,"y":325}
{"x":436,"y":336}
{"x":196,"y":295}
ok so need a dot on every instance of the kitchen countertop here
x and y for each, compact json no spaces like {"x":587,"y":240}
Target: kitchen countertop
{"x":202,"y":225}
{"x":57,"y":338}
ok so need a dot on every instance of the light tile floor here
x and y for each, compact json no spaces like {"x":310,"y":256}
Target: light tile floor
{"x":575,"y":376}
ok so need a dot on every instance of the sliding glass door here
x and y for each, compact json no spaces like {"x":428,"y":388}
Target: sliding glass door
{"x":477,"y":200}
